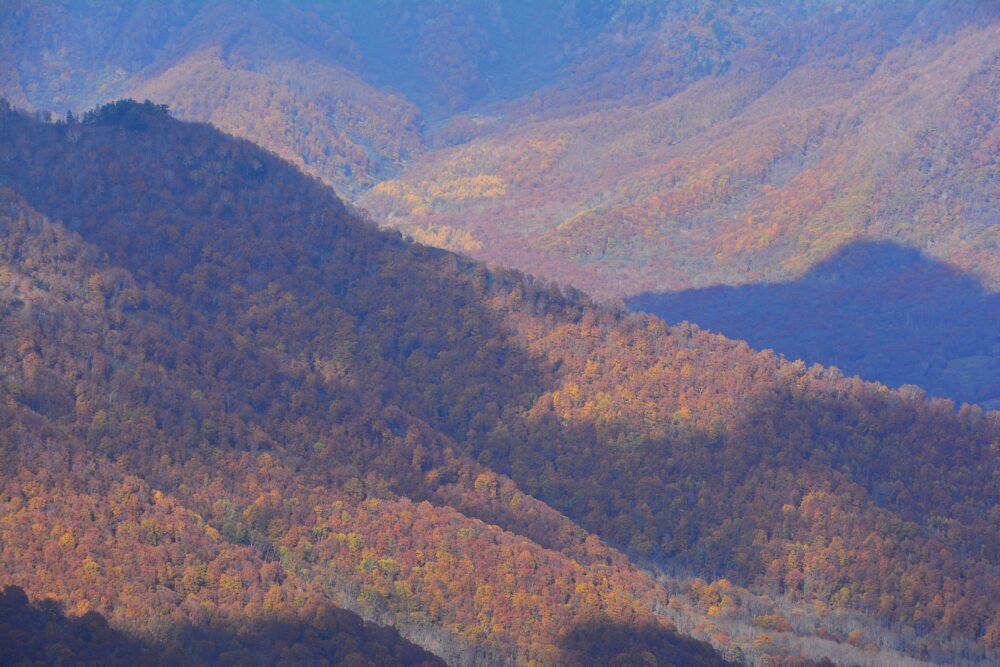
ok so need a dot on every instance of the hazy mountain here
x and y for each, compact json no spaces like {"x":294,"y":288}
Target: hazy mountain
{"x":621,"y":147}
{"x":325,"y":85}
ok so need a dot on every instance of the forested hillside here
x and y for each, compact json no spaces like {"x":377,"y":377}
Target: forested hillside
{"x":227,"y":400}
{"x":748,"y":144}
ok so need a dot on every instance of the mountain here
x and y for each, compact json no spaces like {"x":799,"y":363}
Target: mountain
{"x":636,"y":147}
{"x":280,"y":74}
{"x":793,"y":136}
{"x":229,"y":399}
{"x":340,"y":89}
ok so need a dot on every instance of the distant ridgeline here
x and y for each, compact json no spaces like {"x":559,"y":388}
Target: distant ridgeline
{"x":876,"y":309}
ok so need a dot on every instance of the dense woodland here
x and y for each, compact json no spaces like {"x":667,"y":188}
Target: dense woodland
{"x":228,"y":401}
{"x":291,"y":446}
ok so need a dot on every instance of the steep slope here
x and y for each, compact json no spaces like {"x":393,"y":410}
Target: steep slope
{"x":739,"y":147}
{"x":349,"y":405}
{"x":255,"y":76}
{"x":193,"y":598}
{"x":641,"y":147}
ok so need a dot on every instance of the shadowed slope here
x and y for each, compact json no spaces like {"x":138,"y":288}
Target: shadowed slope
{"x":603,"y":642}
{"x":40,"y":632}
{"x":875,"y":309}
